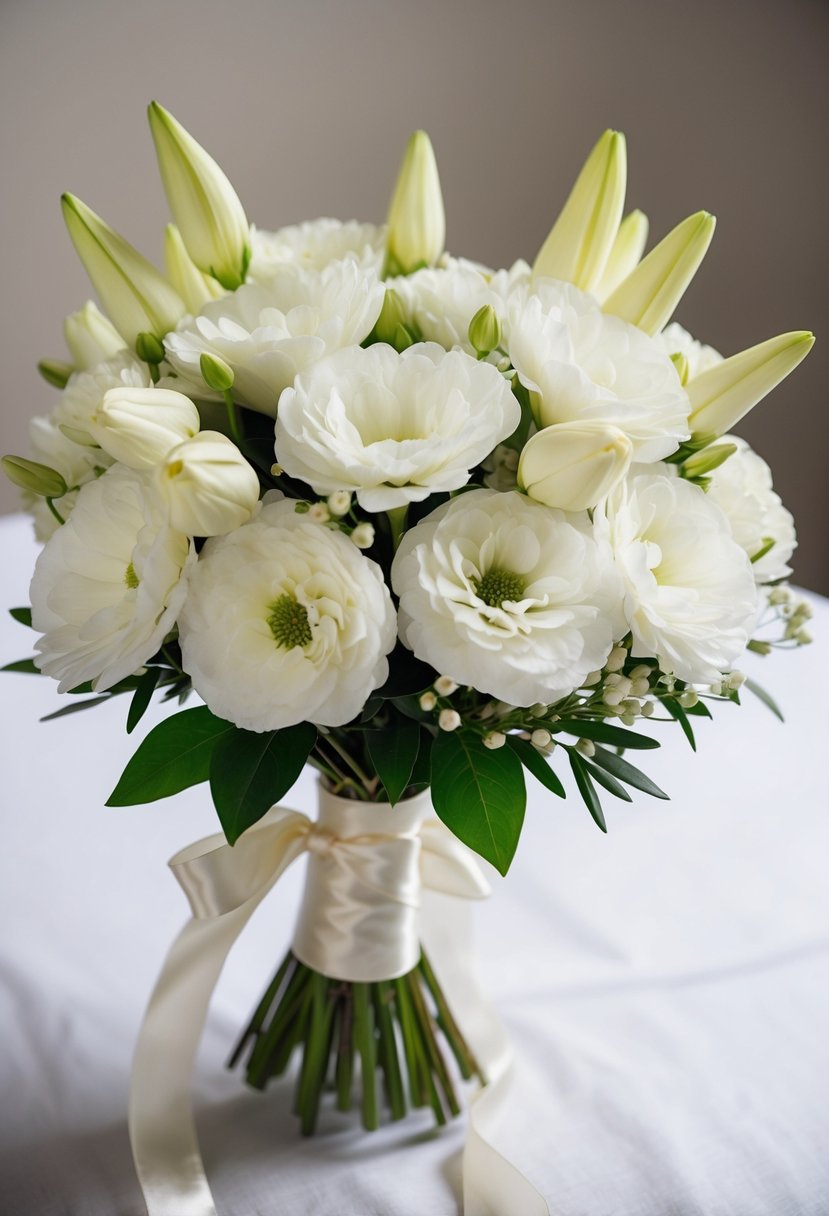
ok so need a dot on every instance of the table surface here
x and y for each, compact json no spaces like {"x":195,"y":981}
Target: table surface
{"x":666,"y":986}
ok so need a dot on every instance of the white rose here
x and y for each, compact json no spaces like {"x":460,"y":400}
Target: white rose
{"x":208,"y":486}
{"x":675,"y":340}
{"x":587,"y":366}
{"x":394,"y":428}
{"x":268,"y":332}
{"x":742,"y":488}
{"x":690,"y":598}
{"x":108,"y":585}
{"x":513,"y":598}
{"x":315,"y":244}
{"x":286,"y":621}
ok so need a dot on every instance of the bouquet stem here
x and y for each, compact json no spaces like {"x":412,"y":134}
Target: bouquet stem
{"x":397,"y":1029}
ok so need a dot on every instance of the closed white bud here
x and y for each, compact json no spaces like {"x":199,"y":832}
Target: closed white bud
{"x":318,"y":513}
{"x":640,"y":672}
{"x":613,"y":696}
{"x":205,"y":206}
{"x":572,"y":465}
{"x":735,"y":680}
{"x":586,"y":747}
{"x":444,"y":686}
{"x":689,"y":698}
{"x":780,"y":595}
{"x":339,"y":503}
{"x":363,"y":536}
{"x":647,"y":709}
{"x":625,"y":254}
{"x":91,"y":338}
{"x":616,"y":659}
{"x":194,"y":287}
{"x":593,"y":678}
{"x":428,"y":701}
{"x":449,"y":719}
{"x":640,"y":687}
{"x":416,"y":219}
{"x":541,"y":738}
{"x":494,"y":740}
{"x":139,"y":426}
{"x":208,"y":486}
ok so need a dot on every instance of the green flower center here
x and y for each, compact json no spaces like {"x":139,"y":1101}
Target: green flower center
{"x":496,"y":586}
{"x":130,"y":577}
{"x":288,"y":622}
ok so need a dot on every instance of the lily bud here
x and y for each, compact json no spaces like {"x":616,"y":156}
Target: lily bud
{"x":139,"y":426}
{"x":725,"y":393}
{"x":149,"y":348}
{"x":416,"y":219}
{"x":582,"y":237}
{"x":55,"y":372}
{"x":625,"y":254}
{"x":195,"y":288}
{"x":710,"y":458}
{"x":680,"y":362}
{"x":37,"y":478}
{"x":205,"y":206}
{"x":651,"y":292}
{"x":208,"y":486}
{"x":216,"y":374}
{"x":392,"y":316}
{"x":91,"y":338}
{"x":572,"y":465}
{"x":485,"y":330}
{"x":134,"y":294}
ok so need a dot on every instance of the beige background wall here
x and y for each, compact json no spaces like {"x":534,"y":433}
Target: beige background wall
{"x":307,"y":106}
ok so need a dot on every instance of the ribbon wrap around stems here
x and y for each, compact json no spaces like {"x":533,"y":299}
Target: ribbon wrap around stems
{"x":359,"y":922}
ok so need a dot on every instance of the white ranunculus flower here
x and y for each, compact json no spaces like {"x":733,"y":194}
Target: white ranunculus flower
{"x":314,"y":244}
{"x":742,"y":488}
{"x":675,"y":340}
{"x":690,"y":598}
{"x":77,"y":464}
{"x":286,"y":621}
{"x":269,"y":332}
{"x":587,"y":366}
{"x":514,"y":598}
{"x":393,"y":428}
{"x":441,"y":302}
{"x":109,"y":584}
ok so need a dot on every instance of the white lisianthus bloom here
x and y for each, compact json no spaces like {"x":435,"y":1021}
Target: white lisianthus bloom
{"x":440,"y":303}
{"x":742,"y":488}
{"x":208,"y":486}
{"x":109,"y":584}
{"x":269,"y":332}
{"x":675,"y":340}
{"x":394,"y":428}
{"x":286,"y":621}
{"x":690,"y":598}
{"x":76,"y":463}
{"x":314,"y":244}
{"x":514,"y":598}
{"x":582,"y":365}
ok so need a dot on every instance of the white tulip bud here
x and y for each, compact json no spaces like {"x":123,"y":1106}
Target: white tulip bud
{"x":449,"y":719}
{"x":363,"y":536}
{"x":625,"y":254}
{"x":195,"y":288}
{"x":444,"y":686}
{"x":209,"y":487}
{"x":205,"y":206}
{"x":494,"y":740}
{"x":582,"y":237}
{"x":416,"y":219}
{"x":91,"y":338}
{"x":572,"y":465}
{"x":139,"y":426}
{"x":135,"y":295}
{"x":428,"y":701}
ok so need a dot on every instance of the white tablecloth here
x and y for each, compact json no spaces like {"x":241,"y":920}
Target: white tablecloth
{"x":666,"y":986}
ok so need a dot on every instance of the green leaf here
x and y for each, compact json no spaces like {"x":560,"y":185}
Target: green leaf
{"x":627,"y":772}
{"x":609,"y":783}
{"x":600,"y":732}
{"x":393,"y":752}
{"x":407,"y":675}
{"x":250,"y":771}
{"x":175,"y":755}
{"x":678,"y":713}
{"x":76,"y":707}
{"x":479,"y":794}
{"x":536,"y":764}
{"x":700,"y":710}
{"x":142,"y":696}
{"x":23,"y":615}
{"x":23,"y":665}
{"x":422,"y":771}
{"x":586,"y":788}
{"x":766,"y":697}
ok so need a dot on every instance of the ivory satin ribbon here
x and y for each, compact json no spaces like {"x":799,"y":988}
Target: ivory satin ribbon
{"x":359,"y":921}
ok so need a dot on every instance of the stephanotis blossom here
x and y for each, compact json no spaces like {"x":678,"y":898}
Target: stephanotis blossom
{"x":742,"y":487}
{"x":314,"y":245}
{"x":268,"y":332}
{"x":285,"y":622}
{"x":583,"y":365}
{"x":690,"y":598}
{"x":516,"y":599}
{"x":108,"y":585}
{"x":393,"y":427}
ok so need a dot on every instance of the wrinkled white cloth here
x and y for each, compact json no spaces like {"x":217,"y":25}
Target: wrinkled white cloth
{"x":666,"y":988}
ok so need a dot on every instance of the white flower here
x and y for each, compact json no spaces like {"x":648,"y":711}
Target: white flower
{"x":586,"y":366}
{"x":85,"y":391}
{"x":675,"y":340}
{"x":108,"y":585}
{"x":208,"y":486}
{"x":138,"y":426}
{"x":91,"y":338}
{"x":742,"y":487}
{"x":314,"y":245}
{"x":416,"y":219}
{"x":268,"y":332}
{"x":77,"y":464}
{"x":440,"y":303}
{"x":514,"y":598}
{"x":394,"y":428}
{"x":690,"y":598}
{"x":573,"y":464}
{"x":286,"y":621}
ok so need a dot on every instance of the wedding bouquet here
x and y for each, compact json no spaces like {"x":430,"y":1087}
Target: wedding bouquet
{"x":423,"y":525}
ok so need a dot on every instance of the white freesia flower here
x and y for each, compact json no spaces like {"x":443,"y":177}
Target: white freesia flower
{"x":91,"y":338}
{"x":394,"y":428}
{"x":286,"y":621}
{"x":742,"y":487}
{"x":208,"y":486}
{"x":441,"y":302}
{"x":108,"y":585}
{"x":269,"y":332}
{"x":514,"y":598}
{"x":76,"y":463}
{"x":675,"y":340}
{"x":690,"y":598}
{"x":314,"y":245}
{"x":586,"y":366}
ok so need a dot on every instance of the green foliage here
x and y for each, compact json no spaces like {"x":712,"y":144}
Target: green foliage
{"x":624,"y":771}
{"x":250,"y":771}
{"x":393,"y":752}
{"x":678,"y":713}
{"x":23,"y":615}
{"x":601,"y":732}
{"x":175,"y":755}
{"x":767,"y":699}
{"x":586,"y":788}
{"x":535,"y":763}
{"x":26,"y":666}
{"x":142,"y":696}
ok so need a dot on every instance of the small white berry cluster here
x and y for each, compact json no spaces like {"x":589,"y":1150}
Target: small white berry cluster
{"x":332,"y":513}
{"x":444,"y":686}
